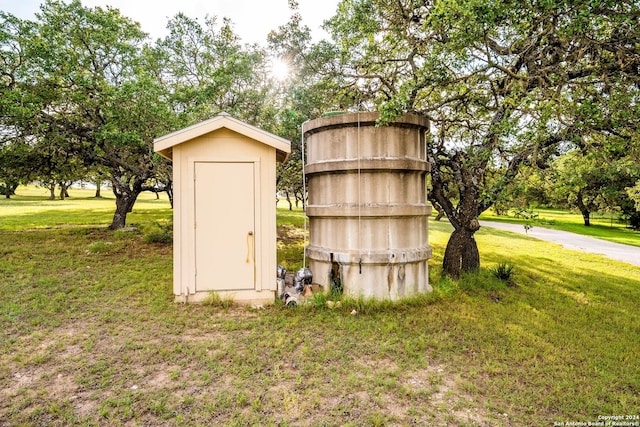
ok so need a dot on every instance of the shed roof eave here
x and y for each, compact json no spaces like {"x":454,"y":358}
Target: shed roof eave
{"x":164,"y":144}
{"x":167,"y":153}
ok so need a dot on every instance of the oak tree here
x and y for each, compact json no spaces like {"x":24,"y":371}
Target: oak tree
{"x":502,"y":83}
{"x":82,"y":82}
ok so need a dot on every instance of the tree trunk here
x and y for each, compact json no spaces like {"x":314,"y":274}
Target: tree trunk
{"x":63,"y":191}
{"x":98,"y":184}
{"x":301,"y":198}
{"x":52,"y":192}
{"x":126,"y":197}
{"x":124,"y":205}
{"x":586,"y":215}
{"x":470,"y":256}
{"x":461,"y":253}
{"x":288,"y":200}
{"x":440,"y":214}
{"x":169,"y":189}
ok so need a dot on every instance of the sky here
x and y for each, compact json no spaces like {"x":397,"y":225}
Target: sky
{"x":252,"y":19}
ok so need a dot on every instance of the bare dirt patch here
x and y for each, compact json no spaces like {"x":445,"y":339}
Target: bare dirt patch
{"x":446,"y":401}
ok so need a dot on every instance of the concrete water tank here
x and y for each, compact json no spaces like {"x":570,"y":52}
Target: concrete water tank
{"x":368,"y":228}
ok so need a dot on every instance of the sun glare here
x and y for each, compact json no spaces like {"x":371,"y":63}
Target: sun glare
{"x":279,"y":69}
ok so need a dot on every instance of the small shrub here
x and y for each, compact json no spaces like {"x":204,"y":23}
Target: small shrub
{"x":99,"y":247}
{"x":503,"y":271}
{"x":162,"y":233}
{"x":215,"y":300}
{"x":528,"y":215}
{"x":158,"y":237}
{"x":318,"y":299}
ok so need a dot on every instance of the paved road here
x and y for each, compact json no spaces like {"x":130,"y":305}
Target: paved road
{"x":576,"y":242}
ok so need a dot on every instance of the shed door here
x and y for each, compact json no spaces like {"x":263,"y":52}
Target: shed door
{"x":224,"y":226}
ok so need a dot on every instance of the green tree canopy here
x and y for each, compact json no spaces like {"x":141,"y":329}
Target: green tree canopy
{"x":208,"y":70}
{"x":504,"y":83}
{"x":86,"y":85}
{"x":593,"y":181}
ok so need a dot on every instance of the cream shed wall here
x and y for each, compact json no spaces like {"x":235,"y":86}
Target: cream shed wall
{"x":224,"y":145}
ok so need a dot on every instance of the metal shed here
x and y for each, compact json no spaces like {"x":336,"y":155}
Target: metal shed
{"x":224,"y":212}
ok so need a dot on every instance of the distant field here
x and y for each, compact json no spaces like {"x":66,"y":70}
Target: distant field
{"x":31,"y":208}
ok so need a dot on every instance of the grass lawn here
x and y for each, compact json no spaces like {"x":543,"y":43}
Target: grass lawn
{"x":603,"y":226}
{"x":91,"y":336}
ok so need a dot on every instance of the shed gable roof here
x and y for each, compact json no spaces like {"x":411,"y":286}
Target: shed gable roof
{"x":164,"y":144}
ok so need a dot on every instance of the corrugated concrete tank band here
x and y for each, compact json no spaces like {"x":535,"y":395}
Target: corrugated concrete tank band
{"x":368,"y":216}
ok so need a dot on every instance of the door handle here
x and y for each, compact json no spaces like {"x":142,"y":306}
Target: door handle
{"x":250,"y":244}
